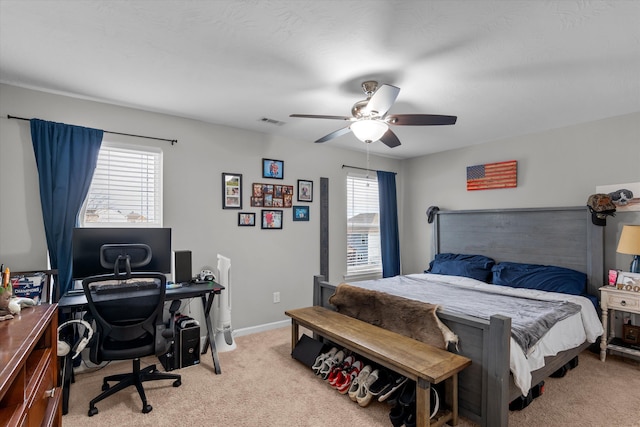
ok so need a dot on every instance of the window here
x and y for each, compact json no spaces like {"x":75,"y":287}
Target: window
{"x":363,"y":226}
{"x":126,"y":189}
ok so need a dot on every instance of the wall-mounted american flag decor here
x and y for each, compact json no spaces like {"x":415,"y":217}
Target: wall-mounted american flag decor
{"x":492,"y":175}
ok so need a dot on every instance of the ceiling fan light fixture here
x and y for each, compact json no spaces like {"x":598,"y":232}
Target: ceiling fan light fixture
{"x":369,"y":130}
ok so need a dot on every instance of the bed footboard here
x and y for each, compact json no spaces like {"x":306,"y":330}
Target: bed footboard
{"x":483,"y":388}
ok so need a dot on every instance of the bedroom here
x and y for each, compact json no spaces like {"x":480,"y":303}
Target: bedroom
{"x":556,"y":167}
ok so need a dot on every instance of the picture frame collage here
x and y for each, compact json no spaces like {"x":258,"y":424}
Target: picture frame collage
{"x":273,"y":197}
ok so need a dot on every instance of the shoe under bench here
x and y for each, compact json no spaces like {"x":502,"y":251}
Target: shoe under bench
{"x":414,"y":359}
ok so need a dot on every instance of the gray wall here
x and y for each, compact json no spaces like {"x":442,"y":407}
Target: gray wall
{"x":263,"y":261}
{"x":556,"y":168}
{"x":560,"y":167}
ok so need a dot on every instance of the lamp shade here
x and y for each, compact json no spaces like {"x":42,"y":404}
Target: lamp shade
{"x":369,"y":130}
{"x":629,"y":240}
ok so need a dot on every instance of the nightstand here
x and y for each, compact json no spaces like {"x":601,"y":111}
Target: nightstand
{"x":612,"y":298}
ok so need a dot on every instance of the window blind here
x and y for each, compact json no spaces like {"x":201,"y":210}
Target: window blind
{"x":126,"y":188}
{"x":363,"y":226}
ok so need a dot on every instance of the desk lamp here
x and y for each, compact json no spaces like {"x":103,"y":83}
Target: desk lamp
{"x":629,"y":243}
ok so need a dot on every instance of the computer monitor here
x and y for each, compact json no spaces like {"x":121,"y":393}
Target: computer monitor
{"x":87,"y":244}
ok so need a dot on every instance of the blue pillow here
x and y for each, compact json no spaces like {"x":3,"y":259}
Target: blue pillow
{"x":540,"y":277}
{"x":475,"y":266}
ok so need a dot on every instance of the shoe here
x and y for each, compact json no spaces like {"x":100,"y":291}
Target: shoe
{"x":329,"y":363}
{"x":397,"y":415}
{"x":357,"y":382}
{"x":394,"y":387}
{"x":348,"y":377}
{"x":336,"y":370}
{"x":382,"y":383}
{"x":408,"y":395}
{"x":321,"y":358}
{"x":435,"y":403}
{"x":364,"y":395}
{"x":410,"y":416}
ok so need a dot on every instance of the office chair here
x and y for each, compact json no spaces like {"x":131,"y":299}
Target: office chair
{"x":127,"y":310}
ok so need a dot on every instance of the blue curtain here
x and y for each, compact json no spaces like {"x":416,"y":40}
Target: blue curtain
{"x":389,"y":239}
{"x":66,"y":157}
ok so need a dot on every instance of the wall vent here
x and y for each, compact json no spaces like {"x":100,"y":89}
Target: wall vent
{"x":272,"y":121}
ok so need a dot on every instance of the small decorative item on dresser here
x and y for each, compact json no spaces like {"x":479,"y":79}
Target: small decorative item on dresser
{"x":629,"y":281}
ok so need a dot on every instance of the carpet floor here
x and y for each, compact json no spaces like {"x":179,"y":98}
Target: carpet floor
{"x":261,"y":385}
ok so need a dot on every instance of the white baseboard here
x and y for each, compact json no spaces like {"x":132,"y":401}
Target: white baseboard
{"x":251,"y":330}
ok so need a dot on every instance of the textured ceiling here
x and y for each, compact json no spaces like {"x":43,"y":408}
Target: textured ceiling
{"x":505,"y":68}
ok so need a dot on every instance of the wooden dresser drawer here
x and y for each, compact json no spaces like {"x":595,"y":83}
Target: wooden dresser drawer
{"x":42,"y":396}
{"x":626,"y":301}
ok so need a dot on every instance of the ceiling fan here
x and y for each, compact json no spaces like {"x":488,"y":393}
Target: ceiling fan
{"x":370,"y":121}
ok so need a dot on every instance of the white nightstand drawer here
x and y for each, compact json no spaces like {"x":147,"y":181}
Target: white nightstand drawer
{"x":625,"y":301}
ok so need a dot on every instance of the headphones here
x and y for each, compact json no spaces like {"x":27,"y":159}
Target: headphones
{"x":64,"y":348}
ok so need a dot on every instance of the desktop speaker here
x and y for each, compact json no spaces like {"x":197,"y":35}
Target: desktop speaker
{"x":181,"y":266}
{"x":187,"y":344}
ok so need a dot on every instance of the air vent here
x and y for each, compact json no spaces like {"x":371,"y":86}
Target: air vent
{"x":271,"y":121}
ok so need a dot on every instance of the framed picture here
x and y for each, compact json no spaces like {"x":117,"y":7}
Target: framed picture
{"x":613,"y":277}
{"x":301,"y":213}
{"x":231,"y":190}
{"x":305,"y":190}
{"x":628,"y":281}
{"x":271,"y":195}
{"x":246,"y":219}
{"x":272,"y":168}
{"x":271,"y":219}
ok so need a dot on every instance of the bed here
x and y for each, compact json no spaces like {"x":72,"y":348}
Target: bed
{"x":562,"y":237}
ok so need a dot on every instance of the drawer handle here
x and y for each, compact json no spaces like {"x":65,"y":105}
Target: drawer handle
{"x":50,"y":393}
{"x":623,"y":303}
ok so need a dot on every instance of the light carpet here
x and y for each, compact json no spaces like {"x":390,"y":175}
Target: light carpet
{"x":261,"y":385}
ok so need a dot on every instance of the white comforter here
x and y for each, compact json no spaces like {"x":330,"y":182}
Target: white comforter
{"x":564,"y":335}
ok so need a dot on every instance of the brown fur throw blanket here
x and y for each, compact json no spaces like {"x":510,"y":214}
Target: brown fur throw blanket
{"x":411,"y":318}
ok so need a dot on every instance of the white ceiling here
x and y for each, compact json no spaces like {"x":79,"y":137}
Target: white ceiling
{"x":505,"y":68}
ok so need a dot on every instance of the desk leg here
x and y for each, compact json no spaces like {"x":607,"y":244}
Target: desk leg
{"x":67,"y":379}
{"x":211,"y":339}
{"x":294,"y":334}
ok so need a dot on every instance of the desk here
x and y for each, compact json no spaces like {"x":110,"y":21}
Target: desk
{"x":206,"y":291}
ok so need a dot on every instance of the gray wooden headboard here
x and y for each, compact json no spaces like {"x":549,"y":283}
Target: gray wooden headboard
{"x":563,"y":237}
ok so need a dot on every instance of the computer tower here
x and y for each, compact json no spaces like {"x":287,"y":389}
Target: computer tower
{"x":187,"y":343}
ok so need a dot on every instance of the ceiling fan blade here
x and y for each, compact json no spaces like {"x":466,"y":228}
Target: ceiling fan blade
{"x":313,"y":116}
{"x":390,"y":139}
{"x":420,"y":120}
{"x":335,"y":134}
{"x":382,"y":99}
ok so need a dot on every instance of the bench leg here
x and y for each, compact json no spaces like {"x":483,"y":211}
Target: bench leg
{"x":423,"y":402}
{"x":294,"y":334}
{"x":454,"y":399}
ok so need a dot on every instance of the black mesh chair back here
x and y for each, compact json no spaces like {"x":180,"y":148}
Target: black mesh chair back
{"x":128,"y":317}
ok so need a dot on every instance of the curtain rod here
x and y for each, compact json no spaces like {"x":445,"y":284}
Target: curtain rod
{"x":365,"y":169}
{"x":172,"y":141}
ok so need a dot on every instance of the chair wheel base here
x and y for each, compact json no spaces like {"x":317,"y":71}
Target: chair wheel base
{"x":177,"y":383}
{"x":92,"y":411}
{"x":105,"y":387}
{"x":146,"y":409}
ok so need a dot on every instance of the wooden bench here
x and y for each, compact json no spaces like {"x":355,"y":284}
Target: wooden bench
{"x":414,"y":359}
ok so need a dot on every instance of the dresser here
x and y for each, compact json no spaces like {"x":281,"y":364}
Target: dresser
{"x":627,"y":301}
{"x":29,"y":395}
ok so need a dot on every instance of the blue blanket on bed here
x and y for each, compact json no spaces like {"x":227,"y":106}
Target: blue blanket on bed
{"x":530,"y":318}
